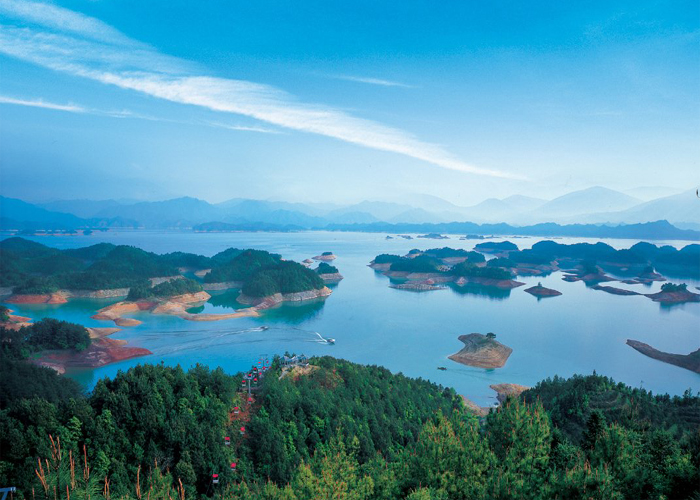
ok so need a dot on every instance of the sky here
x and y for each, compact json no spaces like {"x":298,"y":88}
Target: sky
{"x":336,"y":101}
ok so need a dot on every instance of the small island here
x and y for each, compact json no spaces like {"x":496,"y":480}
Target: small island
{"x":614,"y":290}
{"x":434,"y":236}
{"x":540,"y":291}
{"x":497,"y":247}
{"x":443,"y":265}
{"x":482,"y":351}
{"x":328,"y":273}
{"x":688,"y":361}
{"x":327,"y":256}
{"x":674,"y":294}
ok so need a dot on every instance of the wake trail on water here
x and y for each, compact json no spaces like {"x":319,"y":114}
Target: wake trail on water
{"x":214,"y":338}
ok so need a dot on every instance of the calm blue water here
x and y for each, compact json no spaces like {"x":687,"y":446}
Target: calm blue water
{"x":581,"y":331}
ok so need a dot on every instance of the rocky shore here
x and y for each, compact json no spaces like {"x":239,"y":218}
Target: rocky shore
{"x":175,"y":306}
{"x":224,"y":285}
{"x":102,"y":351}
{"x":505,"y":390}
{"x":278,"y":298}
{"x":331,"y":277}
{"x":688,"y":361}
{"x":62,"y":296}
{"x":481,"y":351}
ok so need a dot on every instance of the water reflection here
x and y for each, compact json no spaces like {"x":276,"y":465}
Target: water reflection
{"x":226,"y":299}
{"x":490,"y":292}
{"x":294,"y":312}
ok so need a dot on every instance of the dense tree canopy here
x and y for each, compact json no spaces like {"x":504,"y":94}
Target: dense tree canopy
{"x":170,"y":288}
{"x":340,"y":430}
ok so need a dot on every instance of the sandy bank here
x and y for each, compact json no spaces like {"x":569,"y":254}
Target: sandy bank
{"x":688,"y":361}
{"x":481,"y":352}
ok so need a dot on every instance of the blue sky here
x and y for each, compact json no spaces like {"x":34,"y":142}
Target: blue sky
{"x":342,"y":101}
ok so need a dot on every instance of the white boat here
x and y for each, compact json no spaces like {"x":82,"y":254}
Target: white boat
{"x":330,"y":341}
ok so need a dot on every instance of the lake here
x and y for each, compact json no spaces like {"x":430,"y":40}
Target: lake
{"x":410,"y":332}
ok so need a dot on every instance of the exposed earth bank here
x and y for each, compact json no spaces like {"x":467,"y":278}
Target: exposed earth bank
{"x":175,"y":306}
{"x":102,"y":351}
{"x":481,"y":351}
{"x":278,"y":298}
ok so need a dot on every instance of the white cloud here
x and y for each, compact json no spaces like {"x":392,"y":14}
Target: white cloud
{"x":88,"y":48}
{"x":72,"y":108}
{"x":372,"y":81}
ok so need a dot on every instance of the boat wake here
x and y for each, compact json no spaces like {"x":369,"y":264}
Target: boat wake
{"x":195,"y":340}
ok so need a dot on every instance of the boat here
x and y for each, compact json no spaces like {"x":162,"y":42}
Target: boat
{"x":442,"y":368}
{"x":263,"y":328}
{"x":330,"y":341}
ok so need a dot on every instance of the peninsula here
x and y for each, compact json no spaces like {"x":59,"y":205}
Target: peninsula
{"x":688,"y":361}
{"x":60,"y":345}
{"x":153,"y":282}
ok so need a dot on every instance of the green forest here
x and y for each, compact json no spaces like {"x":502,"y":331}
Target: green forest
{"x":168,"y":288}
{"x":335,"y":429}
{"x":33,"y":268}
{"x":325,"y":268}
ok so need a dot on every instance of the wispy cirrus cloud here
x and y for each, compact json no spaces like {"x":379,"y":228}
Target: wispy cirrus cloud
{"x":372,"y":81}
{"x":75,"y":108}
{"x":70,"y":42}
{"x":39,"y":103}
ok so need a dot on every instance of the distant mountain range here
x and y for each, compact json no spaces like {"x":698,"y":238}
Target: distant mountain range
{"x":596,"y":205}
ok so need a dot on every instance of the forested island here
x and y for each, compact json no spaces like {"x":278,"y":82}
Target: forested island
{"x":33,"y":272}
{"x":337,"y":430}
{"x":441,"y":265}
{"x":586,"y":262}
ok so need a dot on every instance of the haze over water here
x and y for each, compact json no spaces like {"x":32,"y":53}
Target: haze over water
{"x":411,"y":332}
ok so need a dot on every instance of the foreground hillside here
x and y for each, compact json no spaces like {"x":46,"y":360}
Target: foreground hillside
{"x":335,"y":429}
